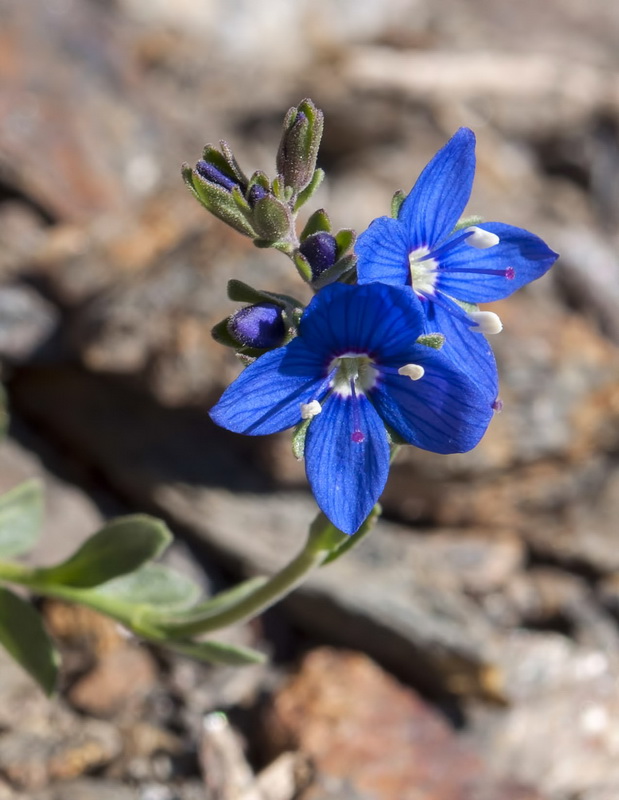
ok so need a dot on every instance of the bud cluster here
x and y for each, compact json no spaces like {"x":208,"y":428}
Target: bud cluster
{"x":266,"y":211}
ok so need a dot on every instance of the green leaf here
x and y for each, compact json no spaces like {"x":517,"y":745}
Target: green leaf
{"x":120,"y":547}
{"x":154,"y":585}
{"x":218,"y":652}
{"x":24,"y":637}
{"x":21,"y":516}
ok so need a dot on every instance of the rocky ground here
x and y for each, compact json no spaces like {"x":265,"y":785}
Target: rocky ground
{"x":470,"y":649}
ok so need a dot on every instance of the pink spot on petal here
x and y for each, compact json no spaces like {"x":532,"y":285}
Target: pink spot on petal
{"x":358,"y":436}
{"x":497,"y":405}
{"x":510,"y":273}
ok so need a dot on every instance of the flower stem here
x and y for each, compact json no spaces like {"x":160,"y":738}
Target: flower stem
{"x":320,"y":543}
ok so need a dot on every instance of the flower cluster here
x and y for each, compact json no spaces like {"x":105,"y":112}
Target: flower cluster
{"x":392,"y":347}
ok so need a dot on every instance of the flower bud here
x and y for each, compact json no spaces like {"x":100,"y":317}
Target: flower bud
{"x":211,"y":173}
{"x":271,"y":219}
{"x":260,"y":326}
{"x":320,"y":250}
{"x":298,"y":149}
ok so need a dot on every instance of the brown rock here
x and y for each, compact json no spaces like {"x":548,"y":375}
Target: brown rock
{"x":121,"y":679}
{"x":372,"y":737}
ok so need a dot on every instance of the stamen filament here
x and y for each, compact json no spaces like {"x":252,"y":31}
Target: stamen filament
{"x":508,"y":273}
{"x":357,"y":434}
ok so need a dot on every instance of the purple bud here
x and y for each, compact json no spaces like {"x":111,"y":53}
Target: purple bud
{"x":214,"y":175}
{"x":260,"y":326}
{"x":320,"y":250}
{"x":256,"y":192}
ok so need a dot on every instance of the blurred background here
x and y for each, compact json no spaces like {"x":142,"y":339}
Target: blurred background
{"x":469,"y":650}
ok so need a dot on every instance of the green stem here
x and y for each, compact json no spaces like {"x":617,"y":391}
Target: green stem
{"x":131,"y":617}
{"x":264,"y":596}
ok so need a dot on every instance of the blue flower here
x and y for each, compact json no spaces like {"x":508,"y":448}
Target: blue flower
{"x":481,"y":263}
{"x":354,"y":368}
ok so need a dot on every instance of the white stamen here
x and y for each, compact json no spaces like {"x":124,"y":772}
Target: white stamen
{"x":309,"y":410}
{"x":412,"y":371}
{"x":480,"y":238}
{"x":487,"y":322}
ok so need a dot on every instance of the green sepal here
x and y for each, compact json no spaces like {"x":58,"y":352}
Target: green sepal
{"x":241,"y":292}
{"x":271,"y":219}
{"x":224,"y":162}
{"x":310,"y":189}
{"x":341,"y":267}
{"x":345,"y":240}
{"x":159,"y":587}
{"x":466,"y":222}
{"x":354,"y":540}
{"x":120,"y":547}
{"x":261,"y":179}
{"x":21,"y":517}
{"x":222,"y":335}
{"x":240,"y":201}
{"x":235,"y":169}
{"x":394,"y":437}
{"x":318,"y":222}
{"x":470,"y":308}
{"x":302,"y":265}
{"x":217,"y":652}
{"x":396,"y":203}
{"x":230,"y":207}
{"x":433,"y":340}
{"x":298,"y":439}
{"x":23,"y":635}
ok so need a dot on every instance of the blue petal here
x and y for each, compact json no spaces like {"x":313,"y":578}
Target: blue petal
{"x":470,"y":351}
{"x":526,"y":254}
{"x":444,"y":411}
{"x":266,"y":397}
{"x":375,"y":318}
{"x":437,"y":200}
{"x":383,"y":251}
{"x":347,"y":477}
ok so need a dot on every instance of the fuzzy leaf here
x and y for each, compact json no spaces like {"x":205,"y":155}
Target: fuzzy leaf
{"x":154,"y":585}
{"x":21,"y":516}
{"x":120,"y":547}
{"x":23,"y":635}
{"x":218,"y":653}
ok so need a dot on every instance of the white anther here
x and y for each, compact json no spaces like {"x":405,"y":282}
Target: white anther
{"x":487,"y":322}
{"x":309,"y":410}
{"x":412,"y":371}
{"x":480,"y":238}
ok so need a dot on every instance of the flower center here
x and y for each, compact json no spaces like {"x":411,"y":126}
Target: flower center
{"x":423,"y":271}
{"x":353,"y":370}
